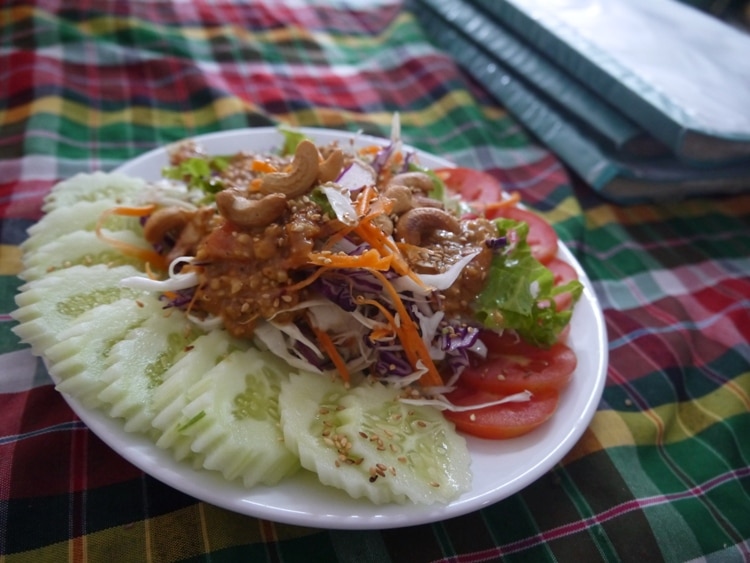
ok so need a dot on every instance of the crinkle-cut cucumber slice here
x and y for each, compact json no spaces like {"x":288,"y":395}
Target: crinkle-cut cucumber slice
{"x":80,"y":357}
{"x":94,"y":186}
{"x":425,"y":458}
{"x":83,"y":248}
{"x":233,"y":419}
{"x":365,"y":441}
{"x":172,"y":395}
{"x":137,"y":363}
{"x":47,"y":305}
{"x":82,"y":215}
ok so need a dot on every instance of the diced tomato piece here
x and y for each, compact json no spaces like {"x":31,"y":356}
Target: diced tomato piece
{"x":471,"y":185}
{"x":563,"y":273}
{"x":499,"y":422}
{"x":513,"y":366}
{"x":542,"y":237}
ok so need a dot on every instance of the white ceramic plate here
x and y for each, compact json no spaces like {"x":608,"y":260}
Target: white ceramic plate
{"x":500,"y":468}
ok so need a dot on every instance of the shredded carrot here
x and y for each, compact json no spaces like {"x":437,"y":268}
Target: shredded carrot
{"x":337,"y":236}
{"x":411,"y":340}
{"x":510,"y":201}
{"x":148,"y":256}
{"x":262,"y":166}
{"x":370,"y":149}
{"x":330,"y":348}
{"x":381,"y":331}
{"x":130,"y":211}
{"x":374,"y":235}
{"x":150,"y":273}
{"x":304,"y":283}
{"x":193,"y":299}
{"x":377,"y":239}
{"x":386,"y":173}
{"x":363,"y":200}
{"x":255,"y":184}
{"x":369,"y":259}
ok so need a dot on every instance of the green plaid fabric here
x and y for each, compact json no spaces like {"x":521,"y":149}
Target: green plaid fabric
{"x":663,"y":471}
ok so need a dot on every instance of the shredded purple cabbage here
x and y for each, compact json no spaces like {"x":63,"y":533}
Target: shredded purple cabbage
{"x":458,"y":336}
{"x":496,"y":243}
{"x":408,"y":157}
{"x":181,"y":299}
{"x":309,"y":354}
{"x":344,"y":171}
{"x":381,"y":159}
{"x":337,"y":292}
{"x":392,"y":362}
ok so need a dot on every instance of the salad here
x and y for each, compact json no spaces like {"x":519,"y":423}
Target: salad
{"x":362,"y":263}
{"x":337,"y":308}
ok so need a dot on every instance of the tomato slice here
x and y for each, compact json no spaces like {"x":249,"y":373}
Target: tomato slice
{"x":513,"y":366}
{"x":563,"y":273}
{"x":471,"y":185}
{"x":478,"y":186}
{"x":500,"y":422}
{"x":542,"y":237}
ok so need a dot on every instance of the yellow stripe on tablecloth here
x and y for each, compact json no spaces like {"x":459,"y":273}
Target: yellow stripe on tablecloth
{"x":667,"y":424}
{"x":106,"y":25}
{"x":564,"y":210}
{"x":10,"y":260}
{"x":136,"y":115}
{"x":223,"y":108}
{"x":339,"y":118}
{"x":681,"y":421}
{"x":174,"y":536}
{"x":694,"y":208}
{"x":607,"y":430}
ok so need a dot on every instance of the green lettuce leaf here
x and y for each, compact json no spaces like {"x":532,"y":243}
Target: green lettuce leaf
{"x":199,"y":173}
{"x":292,"y":138}
{"x":520,"y":292}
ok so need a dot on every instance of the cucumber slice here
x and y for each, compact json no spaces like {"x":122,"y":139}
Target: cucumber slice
{"x":95,"y":186}
{"x":80,"y":248}
{"x":233,"y":419}
{"x":82,"y":353}
{"x":82,"y":215}
{"x":136,"y":364}
{"x":47,"y":305}
{"x":368,"y":443}
{"x":171,"y":397}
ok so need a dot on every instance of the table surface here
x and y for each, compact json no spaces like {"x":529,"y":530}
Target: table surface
{"x":662,"y":472}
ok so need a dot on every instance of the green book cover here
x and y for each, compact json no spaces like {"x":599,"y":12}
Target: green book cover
{"x":679,"y":73}
{"x":617,"y":177}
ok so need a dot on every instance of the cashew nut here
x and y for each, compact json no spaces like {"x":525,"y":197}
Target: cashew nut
{"x":330,"y":168}
{"x":165,"y":221}
{"x":300,"y":178}
{"x":401,"y":197}
{"x":413,"y":225}
{"x":424,"y":201}
{"x":192,"y":233}
{"x":250,"y":212}
{"x":384,"y":223}
{"x":417,"y":180}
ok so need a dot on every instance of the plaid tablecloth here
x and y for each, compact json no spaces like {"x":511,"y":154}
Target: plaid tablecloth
{"x":663,"y":471}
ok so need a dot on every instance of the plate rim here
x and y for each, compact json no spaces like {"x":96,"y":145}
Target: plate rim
{"x":142,"y":452}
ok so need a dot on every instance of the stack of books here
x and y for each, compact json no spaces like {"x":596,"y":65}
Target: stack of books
{"x":643,"y":99}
